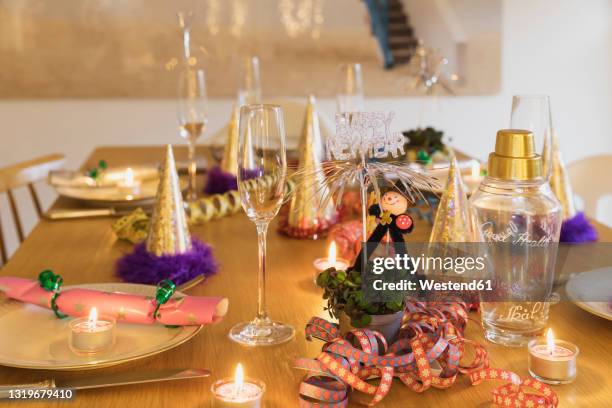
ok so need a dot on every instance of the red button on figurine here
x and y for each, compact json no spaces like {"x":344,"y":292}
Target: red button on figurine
{"x":403,"y":221}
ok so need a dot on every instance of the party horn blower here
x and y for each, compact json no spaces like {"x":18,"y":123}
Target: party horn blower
{"x":576,"y":227}
{"x":309,"y":215}
{"x":169,"y":251}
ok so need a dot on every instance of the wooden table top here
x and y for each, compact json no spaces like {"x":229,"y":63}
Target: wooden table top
{"x":85,"y":251}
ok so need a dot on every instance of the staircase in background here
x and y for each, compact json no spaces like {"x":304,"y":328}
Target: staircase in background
{"x":392,"y":29}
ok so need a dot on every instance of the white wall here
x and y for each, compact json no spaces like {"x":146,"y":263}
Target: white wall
{"x":559,"y":47}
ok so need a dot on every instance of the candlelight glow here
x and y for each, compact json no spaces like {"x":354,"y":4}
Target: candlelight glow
{"x":331,"y":254}
{"x":238,"y":378}
{"x":550,"y":342}
{"x":129,"y":177}
{"x":475,"y":169}
{"x":93,"y":318}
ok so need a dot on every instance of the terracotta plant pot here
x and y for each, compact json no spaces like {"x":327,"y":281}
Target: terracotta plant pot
{"x":388,"y":325}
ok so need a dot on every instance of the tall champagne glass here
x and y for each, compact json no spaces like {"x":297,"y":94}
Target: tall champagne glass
{"x":262,"y":171}
{"x":192,"y":117}
{"x":532,"y":112}
{"x":349,"y":95}
{"x":249,"y":90}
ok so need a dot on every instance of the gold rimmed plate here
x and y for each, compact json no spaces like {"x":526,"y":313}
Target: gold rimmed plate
{"x":106,"y":190}
{"x":32,"y":337}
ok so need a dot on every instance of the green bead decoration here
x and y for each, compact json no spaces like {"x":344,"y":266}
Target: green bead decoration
{"x":102,"y":164}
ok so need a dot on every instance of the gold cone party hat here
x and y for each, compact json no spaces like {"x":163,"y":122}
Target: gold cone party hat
{"x":229,"y":163}
{"x":453,"y":222}
{"x":168,"y":232}
{"x":559,"y":180}
{"x":306,"y":216}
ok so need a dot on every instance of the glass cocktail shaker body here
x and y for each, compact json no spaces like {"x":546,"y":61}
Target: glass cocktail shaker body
{"x":519,"y":219}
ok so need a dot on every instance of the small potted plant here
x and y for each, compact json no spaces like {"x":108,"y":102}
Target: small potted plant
{"x":347,"y":303}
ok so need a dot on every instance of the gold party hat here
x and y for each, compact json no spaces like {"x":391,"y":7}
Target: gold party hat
{"x":453,"y":222}
{"x":306,"y":216}
{"x":229,"y":163}
{"x":168,"y":232}
{"x":559,"y":180}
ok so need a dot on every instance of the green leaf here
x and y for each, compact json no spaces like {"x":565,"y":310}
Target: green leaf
{"x":340,"y":276}
{"x":323,"y":279}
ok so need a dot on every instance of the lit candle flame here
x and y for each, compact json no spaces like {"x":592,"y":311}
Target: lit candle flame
{"x":331,"y":254}
{"x":93,"y":318}
{"x":475,"y":169}
{"x":238,"y":379}
{"x":550,"y":342}
{"x":129,"y":177}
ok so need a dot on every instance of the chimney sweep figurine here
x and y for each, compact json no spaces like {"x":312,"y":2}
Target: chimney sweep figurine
{"x":390,"y":217}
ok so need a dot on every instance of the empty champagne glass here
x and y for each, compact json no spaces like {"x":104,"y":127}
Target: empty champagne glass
{"x":262,"y":171}
{"x":192,"y":117}
{"x":532,"y":112}
{"x":249,"y":90}
{"x":349,"y":96}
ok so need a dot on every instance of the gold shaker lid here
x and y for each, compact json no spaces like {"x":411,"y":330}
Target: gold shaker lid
{"x":515,"y":157}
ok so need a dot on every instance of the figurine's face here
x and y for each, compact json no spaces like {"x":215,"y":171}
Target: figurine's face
{"x":394,"y":202}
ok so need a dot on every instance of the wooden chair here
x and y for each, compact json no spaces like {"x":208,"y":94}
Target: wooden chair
{"x":21,"y":175}
{"x":591,"y":180}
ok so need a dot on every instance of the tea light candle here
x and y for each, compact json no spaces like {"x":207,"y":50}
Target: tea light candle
{"x":129,"y":185}
{"x":552,"y":361}
{"x":90,"y":335}
{"x":238,"y":392}
{"x":332,"y":260}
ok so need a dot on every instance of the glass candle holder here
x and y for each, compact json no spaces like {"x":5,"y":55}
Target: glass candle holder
{"x":228,"y":394}
{"x":89,"y":336}
{"x":552,"y":365}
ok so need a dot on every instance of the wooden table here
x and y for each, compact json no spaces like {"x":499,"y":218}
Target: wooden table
{"x":85,"y":251}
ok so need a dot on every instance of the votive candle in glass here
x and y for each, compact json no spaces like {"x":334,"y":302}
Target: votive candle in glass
{"x":237,"y":392}
{"x":552,"y":361}
{"x":90,"y":335}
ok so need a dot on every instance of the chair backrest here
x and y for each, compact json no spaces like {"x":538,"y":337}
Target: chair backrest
{"x":25,"y":175}
{"x":591,"y":179}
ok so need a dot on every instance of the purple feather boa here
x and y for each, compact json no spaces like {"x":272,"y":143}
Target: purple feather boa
{"x":577,"y":229}
{"x":220,"y":182}
{"x":141,"y":266}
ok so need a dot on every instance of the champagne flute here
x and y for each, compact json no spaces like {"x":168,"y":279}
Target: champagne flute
{"x":192,"y":117}
{"x":532,"y":112}
{"x":349,"y":96}
{"x":262,"y":171}
{"x":249,"y":91}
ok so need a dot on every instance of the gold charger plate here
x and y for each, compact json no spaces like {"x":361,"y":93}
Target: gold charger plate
{"x":32,"y":337}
